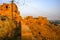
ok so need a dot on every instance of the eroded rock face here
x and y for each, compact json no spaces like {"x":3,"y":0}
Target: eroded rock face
{"x":41,"y":29}
{"x":9,"y":22}
{"x":7,"y":26}
{"x":43,"y":32}
{"x":58,"y":31}
{"x":25,"y":32}
{"x":11,"y":11}
{"x":33,"y":28}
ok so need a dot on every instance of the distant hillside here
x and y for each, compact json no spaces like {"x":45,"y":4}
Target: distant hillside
{"x":56,"y":22}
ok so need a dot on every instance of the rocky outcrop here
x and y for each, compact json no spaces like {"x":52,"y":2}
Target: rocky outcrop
{"x":41,"y":28}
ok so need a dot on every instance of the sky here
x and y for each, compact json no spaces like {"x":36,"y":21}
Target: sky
{"x":35,"y":8}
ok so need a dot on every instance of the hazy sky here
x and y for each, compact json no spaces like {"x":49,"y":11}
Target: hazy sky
{"x":47,"y":8}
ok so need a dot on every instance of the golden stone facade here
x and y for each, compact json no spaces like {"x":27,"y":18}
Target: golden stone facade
{"x":31,"y":28}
